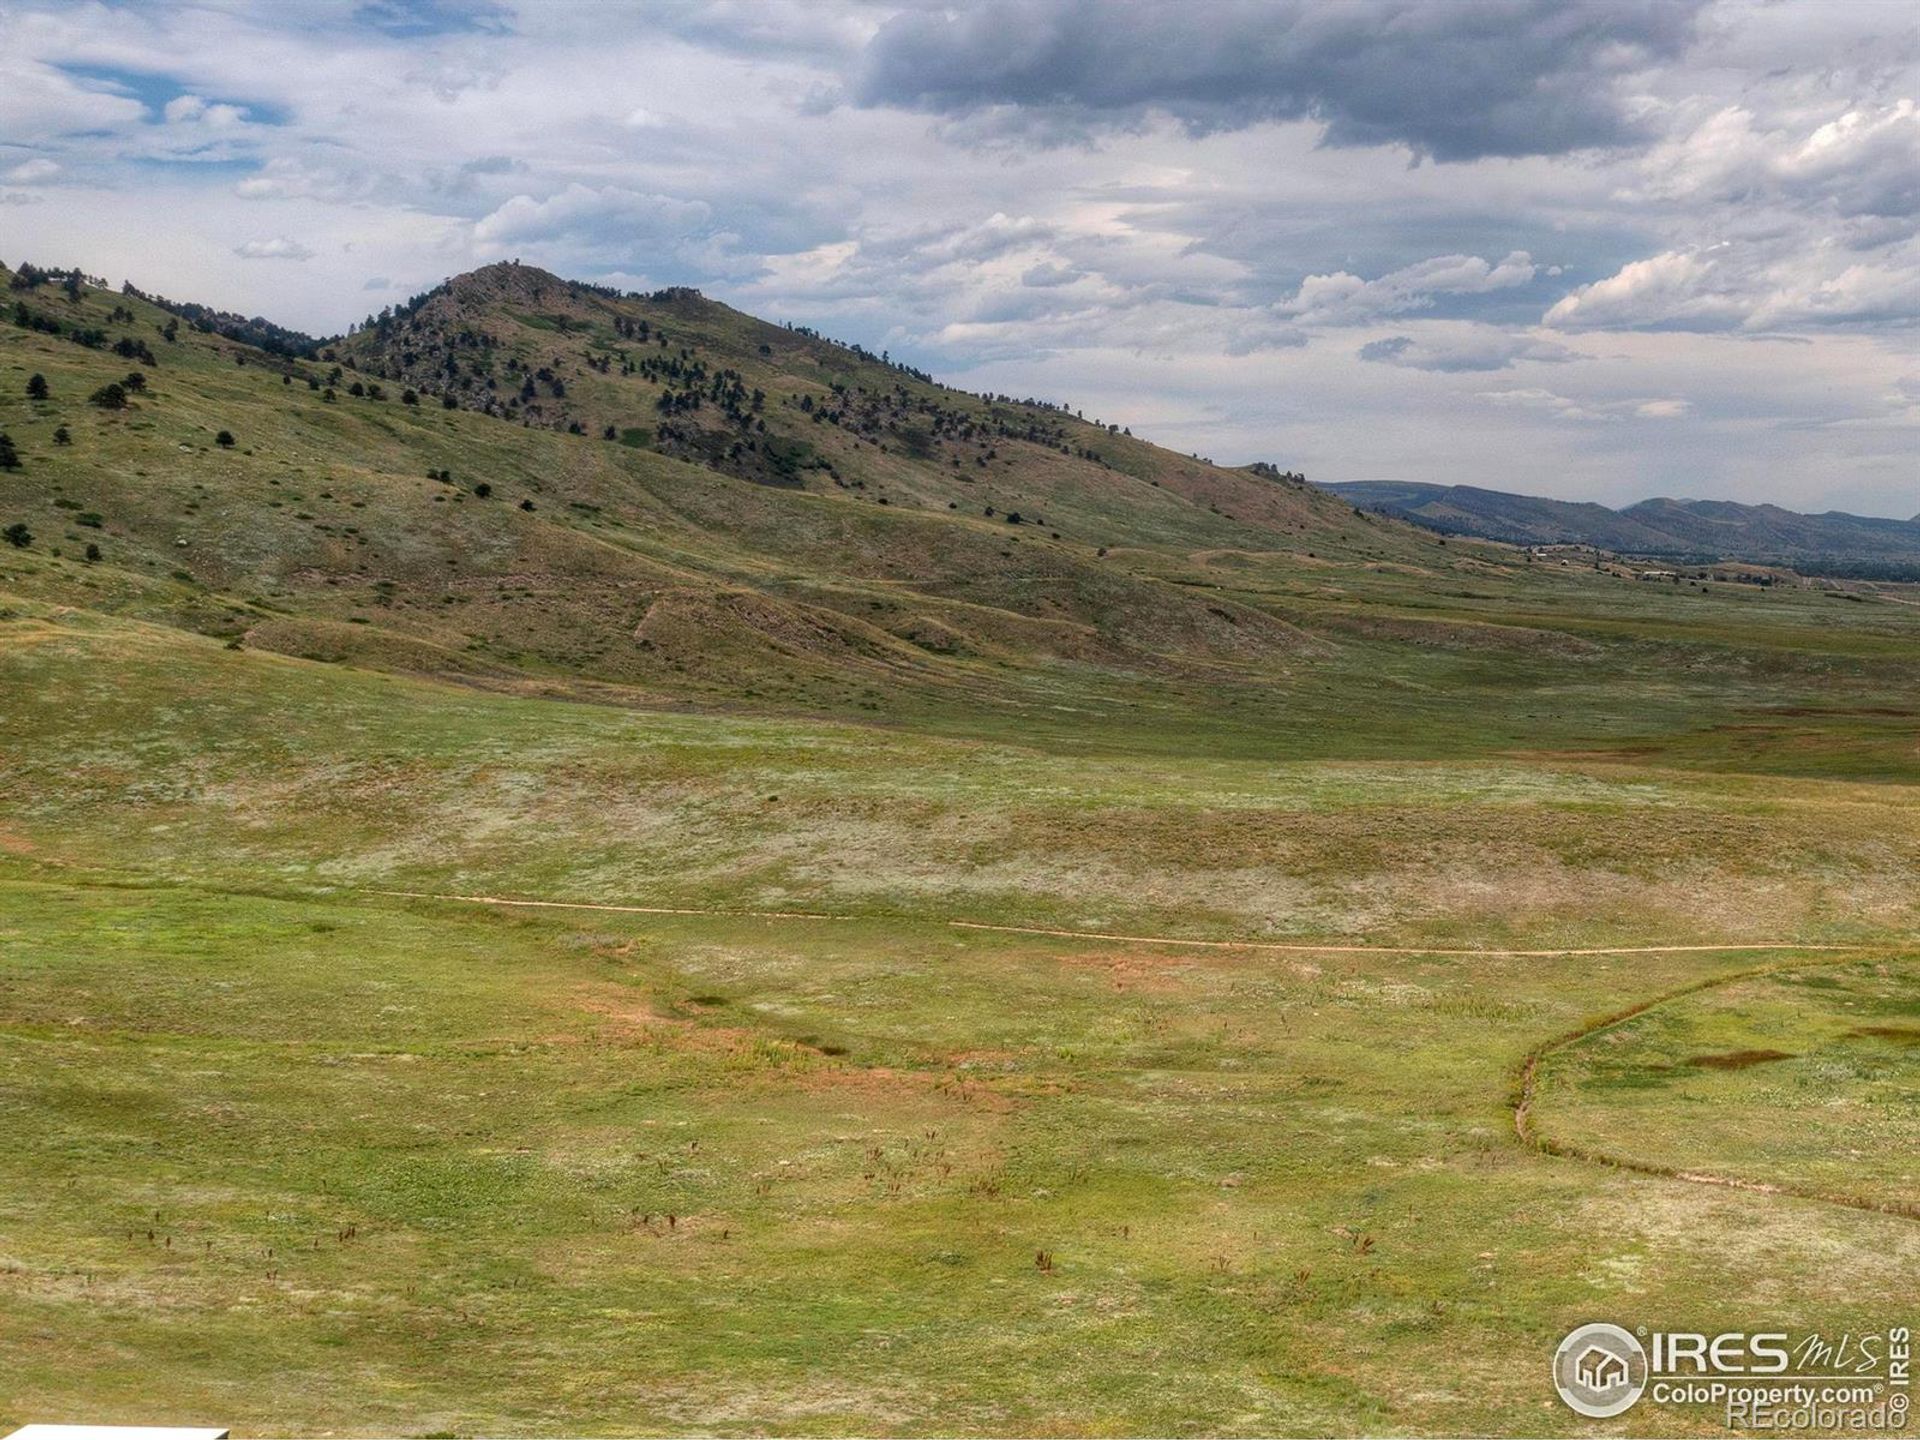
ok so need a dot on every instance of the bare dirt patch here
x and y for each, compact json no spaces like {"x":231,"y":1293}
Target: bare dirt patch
{"x":1736,"y":1059}
{"x":1899,"y":1034}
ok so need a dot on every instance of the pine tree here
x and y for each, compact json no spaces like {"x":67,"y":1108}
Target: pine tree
{"x":37,"y":388}
{"x":9,"y":457}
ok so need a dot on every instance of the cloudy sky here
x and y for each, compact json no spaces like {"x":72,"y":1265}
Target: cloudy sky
{"x":1597,"y":251}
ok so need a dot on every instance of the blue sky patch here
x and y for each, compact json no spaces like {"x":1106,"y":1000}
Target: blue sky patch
{"x":156,"y":90}
{"x":419,"y":19}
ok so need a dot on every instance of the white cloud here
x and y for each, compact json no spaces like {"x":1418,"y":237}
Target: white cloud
{"x":602,"y":216}
{"x":1863,"y":161}
{"x":1865,"y":292}
{"x":1562,"y":407}
{"x":37,"y":100}
{"x":1749,"y":285}
{"x":286,"y":178}
{"x":278,"y":248}
{"x":1344,"y":299}
{"x":1783,"y":210}
{"x":1666,"y":287}
{"x":1047,"y":274}
{"x":1532,"y":398}
{"x":32,"y":172}
{"x":1465,"y":348}
{"x":196,"y":109}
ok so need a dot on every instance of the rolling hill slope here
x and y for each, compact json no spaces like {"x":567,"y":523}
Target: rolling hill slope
{"x":527,"y":484}
{"x":520,"y":478}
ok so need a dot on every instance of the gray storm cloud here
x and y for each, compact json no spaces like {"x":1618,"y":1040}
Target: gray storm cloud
{"x":1450,"y":81}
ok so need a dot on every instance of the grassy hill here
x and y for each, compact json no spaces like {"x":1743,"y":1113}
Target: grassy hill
{"x":823,"y":533}
{"x":871,"y":532}
{"x":1197,"y":960}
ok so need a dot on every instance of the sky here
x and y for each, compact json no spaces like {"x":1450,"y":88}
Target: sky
{"x":1596,"y":251}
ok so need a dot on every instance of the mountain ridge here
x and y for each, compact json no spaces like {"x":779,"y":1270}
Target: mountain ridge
{"x":519,"y":483}
{"x":521,"y":480}
{"x":1831,"y":541}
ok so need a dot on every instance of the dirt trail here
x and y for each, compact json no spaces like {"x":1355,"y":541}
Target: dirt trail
{"x":1526,"y":1089}
{"x":1286,"y":947}
{"x":620,"y":909}
{"x":1526,"y":1081}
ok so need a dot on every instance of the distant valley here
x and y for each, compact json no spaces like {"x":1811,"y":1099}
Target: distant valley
{"x":1834,"y":543}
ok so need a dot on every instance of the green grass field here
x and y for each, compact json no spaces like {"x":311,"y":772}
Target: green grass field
{"x":291,"y":1151}
{"x":407,"y":1166}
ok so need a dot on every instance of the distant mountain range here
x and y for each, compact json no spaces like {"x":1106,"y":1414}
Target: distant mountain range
{"x":1833,"y":543}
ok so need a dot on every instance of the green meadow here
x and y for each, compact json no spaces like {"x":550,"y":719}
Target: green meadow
{"x":1235,"y":968}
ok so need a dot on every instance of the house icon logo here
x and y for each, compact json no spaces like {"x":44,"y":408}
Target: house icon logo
{"x":1600,"y":1370}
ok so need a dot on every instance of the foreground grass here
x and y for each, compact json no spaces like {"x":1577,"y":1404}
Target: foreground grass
{"x":289,"y":1153}
{"x":1801,"y":1077}
{"x":386,"y":1167}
